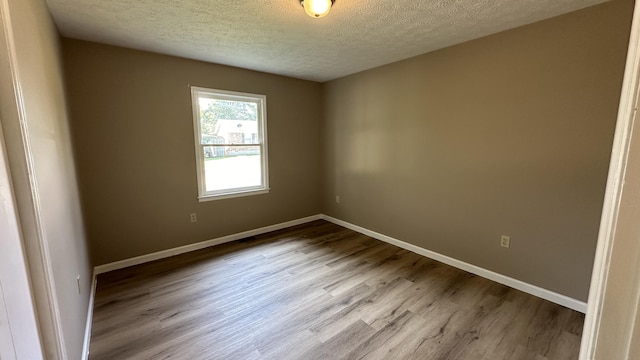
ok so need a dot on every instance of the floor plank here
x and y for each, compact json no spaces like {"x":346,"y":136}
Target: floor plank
{"x":320,"y":291}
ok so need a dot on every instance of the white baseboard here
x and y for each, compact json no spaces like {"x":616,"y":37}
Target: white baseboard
{"x":199,"y":245}
{"x":487,"y":274}
{"x":87,"y":328}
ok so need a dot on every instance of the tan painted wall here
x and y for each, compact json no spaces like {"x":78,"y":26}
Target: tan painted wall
{"x":509,"y":134}
{"x":634,"y":352}
{"x":133,"y":133}
{"x":48,"y":206}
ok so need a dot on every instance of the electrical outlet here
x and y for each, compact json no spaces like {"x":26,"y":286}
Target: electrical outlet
{"x":505,"y":241}
{"x":337,"y":199}
{"x":193,"y":217}
{"x":78,"y":282}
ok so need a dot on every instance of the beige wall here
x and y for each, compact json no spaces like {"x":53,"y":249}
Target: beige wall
{"x":133,"y":132}
{"x":43,"y":175}
{"x":509,"y":134}
{"x":634,"y":351}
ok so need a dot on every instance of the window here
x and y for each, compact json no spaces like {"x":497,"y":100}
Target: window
{"x":231,"y":143}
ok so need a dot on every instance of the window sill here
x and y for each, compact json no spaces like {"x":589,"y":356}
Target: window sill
{"x":204,"y":198}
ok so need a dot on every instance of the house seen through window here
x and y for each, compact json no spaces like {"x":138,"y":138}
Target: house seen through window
{"x":231,"y":143}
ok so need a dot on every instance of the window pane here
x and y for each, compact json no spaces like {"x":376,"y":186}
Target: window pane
{"x":231,"y":143}
{"x":228,"y":121}
{"x":228,"y":167}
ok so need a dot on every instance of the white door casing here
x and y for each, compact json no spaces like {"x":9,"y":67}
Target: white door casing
{"x":615,"y":291}
{"x":19,"y":335}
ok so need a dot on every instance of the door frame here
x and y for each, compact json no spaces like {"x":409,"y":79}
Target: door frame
{"x":605,"y":257}
{"x":19,"y":333}
{"x":25,"y":198}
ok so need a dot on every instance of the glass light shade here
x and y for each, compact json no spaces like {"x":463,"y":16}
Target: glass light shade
{"x":317,"y":8}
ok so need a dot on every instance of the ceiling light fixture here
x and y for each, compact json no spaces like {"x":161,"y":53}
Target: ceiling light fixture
{"x":317,"y":8}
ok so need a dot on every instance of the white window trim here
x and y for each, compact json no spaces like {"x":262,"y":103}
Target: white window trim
{"x":203,"y":195}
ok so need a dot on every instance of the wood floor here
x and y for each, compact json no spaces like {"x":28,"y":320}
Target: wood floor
{"x":319,"y":291}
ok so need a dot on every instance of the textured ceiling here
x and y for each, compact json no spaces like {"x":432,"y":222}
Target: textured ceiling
{"x":276,"y":36}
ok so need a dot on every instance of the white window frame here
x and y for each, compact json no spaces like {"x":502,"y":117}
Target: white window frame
{"x":261,"y":101}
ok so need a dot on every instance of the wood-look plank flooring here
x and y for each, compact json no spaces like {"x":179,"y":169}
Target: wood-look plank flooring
{"x":320,"y":291}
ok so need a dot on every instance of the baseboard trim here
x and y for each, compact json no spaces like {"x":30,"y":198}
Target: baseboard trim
{"x":487,"y":274}
{"x":199,"y":245}
{"x":87,"y":328}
